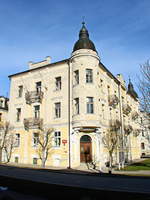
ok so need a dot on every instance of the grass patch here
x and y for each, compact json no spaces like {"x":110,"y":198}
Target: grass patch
{"x":143,"y":165}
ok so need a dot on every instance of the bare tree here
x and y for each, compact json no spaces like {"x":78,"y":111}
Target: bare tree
{"x":45,"y":139}
{"x":6,"y":140}
{"x":144,"y":86}
{"x":110,"y":140}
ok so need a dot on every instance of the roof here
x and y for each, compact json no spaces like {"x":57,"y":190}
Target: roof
{"x":42,"y":67}
{"x":84,"y":42}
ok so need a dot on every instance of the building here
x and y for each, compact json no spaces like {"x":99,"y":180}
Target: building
{"x":79,"y":97}
{"x":3,"y":108}
{"x":3,"y":118}
{"x":144,"y":121}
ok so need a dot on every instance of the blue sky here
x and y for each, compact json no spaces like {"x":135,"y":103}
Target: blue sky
{"x":33,"y":29}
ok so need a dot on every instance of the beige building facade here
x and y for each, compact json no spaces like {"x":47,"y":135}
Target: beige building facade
{"x":79,"y":98}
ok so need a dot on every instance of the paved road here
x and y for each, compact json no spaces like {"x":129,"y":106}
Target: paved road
{"x":115,"y":183}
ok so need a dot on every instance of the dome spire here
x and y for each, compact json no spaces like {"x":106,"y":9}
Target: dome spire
{"x":84,"y":42}
{"x":131,"y":90}
{"x":83,"y":32}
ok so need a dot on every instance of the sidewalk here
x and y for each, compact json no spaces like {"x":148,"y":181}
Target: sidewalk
{"x":80,"y":170}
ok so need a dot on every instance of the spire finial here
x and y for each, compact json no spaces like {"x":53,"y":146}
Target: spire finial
{"x":129,"y":79}
{"x":83,"y":20}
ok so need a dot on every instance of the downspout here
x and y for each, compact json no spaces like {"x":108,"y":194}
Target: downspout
{"x":121,"y":119}
{"x":69,"y":128}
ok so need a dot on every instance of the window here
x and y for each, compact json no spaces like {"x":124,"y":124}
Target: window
{"x":17,"y":140}
{"x":38,"y":86}
{"x":57,"y":139}
{"x":89,"y":75}
{"x":58,"y":110}
{"x":90,"y":105}
{"x":37,"y":112}
{"x":142,"y":145}
{"x":18,"y":114}
{"x":35,"y":139}
{"x":16,"y":159}
{"x":20,"y":90}
{"x":76,"y":77}
{"x":58,"y":83}
{"x":1,"y":103}
{"x":0,"y":117}
{"x":35,"y":161}
{"x":76,"y":106}
{"x":143,"y":133}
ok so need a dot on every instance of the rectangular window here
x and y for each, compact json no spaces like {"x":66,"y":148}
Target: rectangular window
{"x":18,"y":114}
{"x":58,"y":83}
{"x":142,"y":145}
{"x":37,"y":112}
{"x":35,"y":139}
{"x":58,"y":110}
{"x":57,"y":139}
{"x":76,"y":77}
{"x":35,"y":161}
{"x":90,"y":105}
{"x":1,"y":103}
{"x":17,"y":140}
{"x":76,"y":106}
{"x":20,"y":90}
{"x":89,"y":76}
{"x":16,"y":159}
{"x":38,"y":87}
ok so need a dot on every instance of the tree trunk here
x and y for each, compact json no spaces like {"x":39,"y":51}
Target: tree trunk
{"x":43,"y":158}
{"x":0,"y":155}
{"x":110,"y":163}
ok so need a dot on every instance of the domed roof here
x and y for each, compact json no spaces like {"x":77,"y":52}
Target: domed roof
{"x":131,"y":90}
{"x":84,"y":42}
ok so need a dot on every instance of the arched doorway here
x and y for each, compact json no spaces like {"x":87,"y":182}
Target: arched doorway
{"x":85,"y":149}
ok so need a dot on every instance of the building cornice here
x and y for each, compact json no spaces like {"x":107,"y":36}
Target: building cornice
{"x":42,"y":67}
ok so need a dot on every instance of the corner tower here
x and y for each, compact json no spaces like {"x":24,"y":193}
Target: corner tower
{"x":84,"y":62}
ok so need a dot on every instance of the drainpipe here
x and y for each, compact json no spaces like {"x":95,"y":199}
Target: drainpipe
{"x":121,"y":118}
{"x":69,"y":128}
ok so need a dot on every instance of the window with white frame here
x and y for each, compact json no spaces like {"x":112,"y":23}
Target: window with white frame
{"x":35,"y":139}
{"x":37,"y":111}
{"x":57,"y":110}
{"x":57,"y":139}
{"x":38,"y":87}
{"x":17,"y":140}
{"x":20,"y":90}
{"x":76,"y":105}
{"x":18,"y":114}
{"x":76,"y":77}
{"x":58,"y":83}
{"x":90,"y":105}
{"x":89,"y":76}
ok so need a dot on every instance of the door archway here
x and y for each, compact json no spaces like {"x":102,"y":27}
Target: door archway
{"x":85,"y":149}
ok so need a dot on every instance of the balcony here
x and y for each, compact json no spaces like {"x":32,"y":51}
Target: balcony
{"x":33,"y":96}
{"x":135,"y":115}
{"x":128,"y":129}
{"x":136,"y":132}
{"x":126,"y":109}
{"x":33,"y":123}
{"x":113,"y":100}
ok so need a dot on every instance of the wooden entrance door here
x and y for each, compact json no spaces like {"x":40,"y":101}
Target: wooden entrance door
{"x":85,"y":149}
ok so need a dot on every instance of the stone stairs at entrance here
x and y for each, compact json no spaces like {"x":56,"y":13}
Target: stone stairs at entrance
{"x":87,"y":167}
